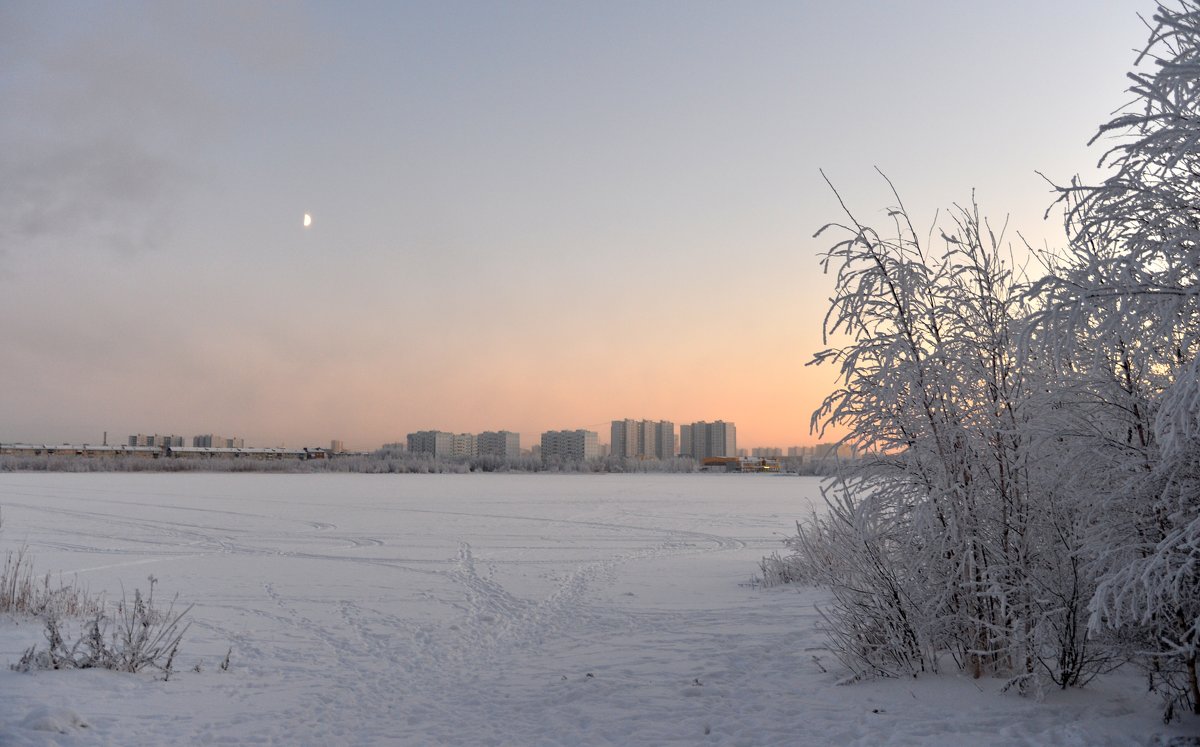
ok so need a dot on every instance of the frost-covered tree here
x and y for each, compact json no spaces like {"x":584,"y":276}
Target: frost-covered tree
{"x":947,"y":540}
{"x":1122,"y":314}
{"x":1030,"y":503}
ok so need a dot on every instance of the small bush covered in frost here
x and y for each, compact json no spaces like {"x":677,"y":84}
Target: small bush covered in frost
{"x":138,"y":635}
{"x":21,"y":593}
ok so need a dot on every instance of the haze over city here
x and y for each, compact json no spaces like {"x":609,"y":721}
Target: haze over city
{"x":527,"y":217}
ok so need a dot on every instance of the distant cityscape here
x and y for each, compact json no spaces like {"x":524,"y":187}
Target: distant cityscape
{"x":629,"y":439}
{"x":707,"y":443}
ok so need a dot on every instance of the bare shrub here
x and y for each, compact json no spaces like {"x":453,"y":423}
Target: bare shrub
{"x":23,"y":594}
{"x":776,"y":570}
{"x":137,"y":636}
{"x":809,"y":560}
{"x":17,"y":588}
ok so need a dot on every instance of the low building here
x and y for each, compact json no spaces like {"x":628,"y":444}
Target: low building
{"x":756,"y":464}
{"x":141,"y":439}
{"x":80,"y":450}
{"x":227,"y":452}
{"x":213,"y":441}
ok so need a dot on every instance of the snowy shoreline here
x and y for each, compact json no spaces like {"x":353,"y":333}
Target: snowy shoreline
{"x":501,"y":609}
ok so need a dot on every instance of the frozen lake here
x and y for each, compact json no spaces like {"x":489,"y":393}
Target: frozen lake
{"x":476,"y":609}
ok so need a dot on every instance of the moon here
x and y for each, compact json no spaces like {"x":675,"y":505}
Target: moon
{"x":307,"y":220}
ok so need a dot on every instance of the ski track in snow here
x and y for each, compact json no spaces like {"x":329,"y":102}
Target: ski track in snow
{"x":545,"y":611}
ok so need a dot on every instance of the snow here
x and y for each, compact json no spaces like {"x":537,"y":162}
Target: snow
{"x":485,"y":610}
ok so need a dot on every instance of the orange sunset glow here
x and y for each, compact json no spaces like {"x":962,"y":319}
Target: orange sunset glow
{"x":314,"y":224}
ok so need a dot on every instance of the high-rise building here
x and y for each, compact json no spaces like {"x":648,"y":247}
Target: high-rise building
{"x":579,"y":445}
{"x":465,"y":445}
{"x":647,"y":436}
{"x":504,"y":444}
{"x":702,"y":440}
{"x":642,"y":439}
{"x":336,"y":446}
{"x":623,"y":439}
{"x":433,"y":443}
{"x":664,"y":439}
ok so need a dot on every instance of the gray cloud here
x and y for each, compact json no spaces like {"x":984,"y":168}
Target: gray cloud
{"x":110,"y":111}
{"x":110,"y":191}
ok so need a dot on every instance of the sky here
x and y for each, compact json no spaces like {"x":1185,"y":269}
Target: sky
{"x":527,"y":216}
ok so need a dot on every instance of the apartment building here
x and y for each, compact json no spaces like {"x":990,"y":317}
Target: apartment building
{"x":642,"y":439}
{"x":505,"y":444}
{"x":213,"y":441}
{"x":702,"y":440}
{"x":578,"y":445}
{"x":141,"y":439}
{"x":464,"y":445}
{"x":433,"y":443}
{"x":664,"y":440}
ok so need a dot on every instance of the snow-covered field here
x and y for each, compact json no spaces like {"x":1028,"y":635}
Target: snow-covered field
{"x":482,"y":610}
